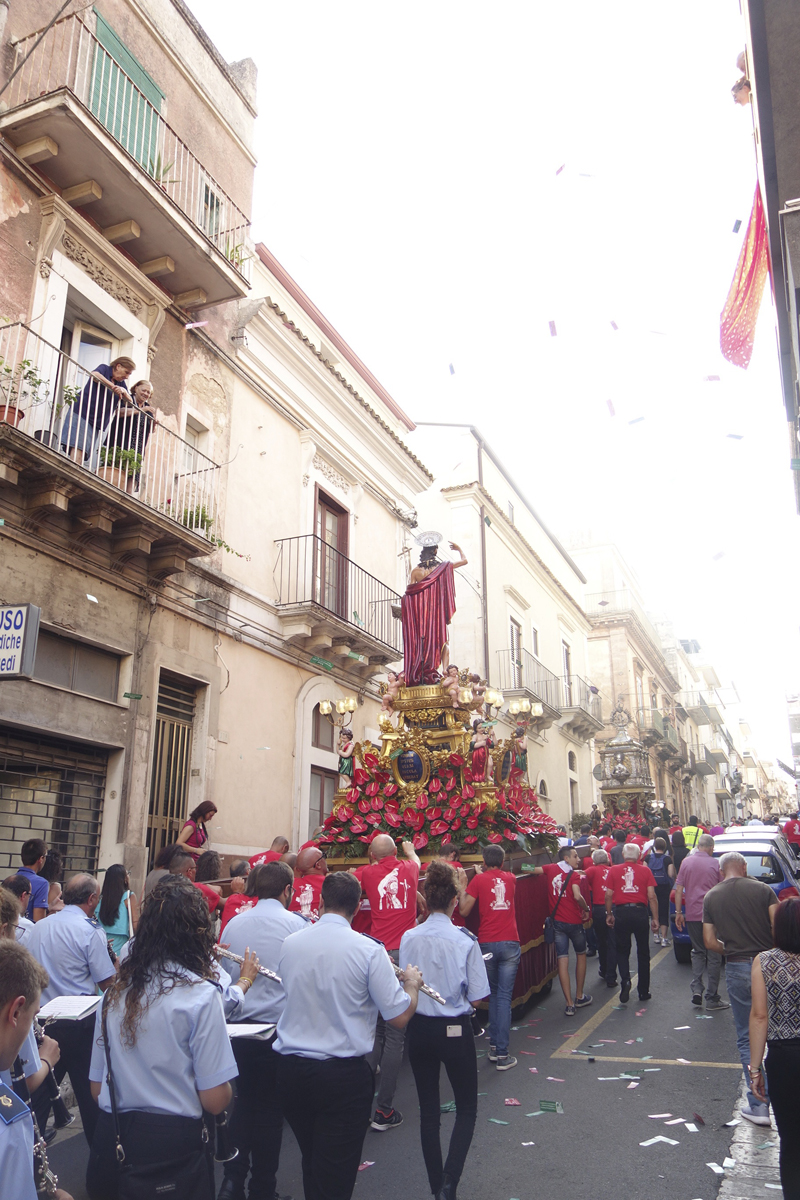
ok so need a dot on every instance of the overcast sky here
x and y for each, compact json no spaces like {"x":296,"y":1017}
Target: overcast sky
{"x":407,"y":179}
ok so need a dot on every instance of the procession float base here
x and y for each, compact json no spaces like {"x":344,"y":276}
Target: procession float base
{"x":423,"y":784}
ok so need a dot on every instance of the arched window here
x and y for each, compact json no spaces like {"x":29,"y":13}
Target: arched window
{"x":542,"y":789}
{"x":572,"y":761}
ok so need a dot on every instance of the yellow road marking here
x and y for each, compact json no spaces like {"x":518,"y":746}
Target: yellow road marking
{"x":595,"y":1021}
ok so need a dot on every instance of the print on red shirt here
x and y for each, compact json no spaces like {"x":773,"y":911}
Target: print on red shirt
{"x":233,"y":906}
{"x":265,"y":856}
{"x":391,"y":888}
{"x":792,"y":831}
{"x":305,"y":899}
{"x":494,"y":892}
{"x":630,"y":882}
{"x":569,"y":911}
{"x":597,"y":876}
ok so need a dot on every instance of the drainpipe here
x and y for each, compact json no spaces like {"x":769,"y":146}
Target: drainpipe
{"x":483,"y":567}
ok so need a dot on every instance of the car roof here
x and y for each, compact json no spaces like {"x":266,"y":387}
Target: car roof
{"x":754,"y":847}
{"x":751,"y":831}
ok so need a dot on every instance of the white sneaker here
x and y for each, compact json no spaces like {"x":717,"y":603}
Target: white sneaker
{"x":656,"y":938}
{"x":758,"y":1116}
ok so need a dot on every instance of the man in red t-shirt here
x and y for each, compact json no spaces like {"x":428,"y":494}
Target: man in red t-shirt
{"x":640,"y":839}
{"x":492,"y":889}
{"x":391,"y":888}
{"x":237,"y":902}
{"x":791,"y":831}
{"x":569,"y":910}
{"x":310,"y":872}
{"x":184,"y":864}
{"x":631,"y":889}
{"x":276,"y":851}
{"x":596,"y":876}
{"x":452,"y":856}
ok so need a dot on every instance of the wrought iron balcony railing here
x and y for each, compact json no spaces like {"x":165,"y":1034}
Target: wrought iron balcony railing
{"x":55,"y":401}
{"x":577,"y":693}
{"x":70,"y":57}
{"x":310,"y":574}
{"x":520,"y":671}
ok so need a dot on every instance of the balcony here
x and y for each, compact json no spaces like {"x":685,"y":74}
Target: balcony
{"x":702,"y":710}
{"x":620,"y":604}
{"x":72,"y":110}
{"x":581,"y":708}
{"x":523,"y":675}
{"x":706,"y":764}
{"x":334,"y":609}
{"x":139,"y":499}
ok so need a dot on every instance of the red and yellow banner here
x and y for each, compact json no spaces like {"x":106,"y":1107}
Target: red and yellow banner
{"x":740,"y":314}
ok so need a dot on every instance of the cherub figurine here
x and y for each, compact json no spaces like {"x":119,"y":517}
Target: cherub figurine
{"x":480,"y":745}
{"x":396,"y":681}
{"x":478,"y":692}
{"x":346,"y":748}
{"x":450,"y":684}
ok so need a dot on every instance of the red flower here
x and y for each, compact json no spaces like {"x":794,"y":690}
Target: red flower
{"x":391,"y":789}
{"x":456,"y":760}
{"x":468,"y":776}
{"x":342,"y":837}
{"x":363,"y":805}
{"x":495,"y":837}
{"x":449,"y":813}
{"x":343,"y":812}
{"x":370,"y":760}
{"x":456,"y":824}
{"x":438,"y":827}
{"x":357,"y":825}
{"x":451,"y":783}
{"x":373,"y":818}
{"x":466,"y":809}
{"x":472,"y":822}
{"x":421,"y":800}
{"x":360,"y":776}
{"x":393,"y":819}
{"x":413,"y":819}
{"x":419,"y":841}
{"x":470,"y":838}
{"x":377,"y":804}
{"x":434,"y":813}
{"x":435,"y":785}
{"x":468,"y":792}
{"x":372,"y":789}
{"x":353,"y":795}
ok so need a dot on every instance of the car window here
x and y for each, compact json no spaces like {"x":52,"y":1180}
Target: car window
{"x":764,"y":867}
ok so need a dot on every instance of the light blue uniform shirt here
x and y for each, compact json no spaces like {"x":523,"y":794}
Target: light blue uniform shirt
{"x":16,"y":1159}
{"x":29,"y":1052}
{"x":450,"y":960}
{"x":182,"y":1047}
{"x":263,"y":928}
{"x":73,"y":952}
{"x":232,"y":994}
{"x":336,"y":983}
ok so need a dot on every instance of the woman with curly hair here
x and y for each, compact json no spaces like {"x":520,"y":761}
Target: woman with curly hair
{"x":450,"y":959}
{"x":163,"y":1029}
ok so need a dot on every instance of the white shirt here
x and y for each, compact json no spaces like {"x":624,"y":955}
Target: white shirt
{"x":72,"y":950}
{"x":24,"y":927}
{"x":182,"y":1047}
{"x":336,"y":982}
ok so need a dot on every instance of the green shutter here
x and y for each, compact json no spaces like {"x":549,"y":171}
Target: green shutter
{"x":126,"y":100}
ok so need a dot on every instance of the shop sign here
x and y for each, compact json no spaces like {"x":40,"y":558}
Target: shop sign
{"x":19,"y":633}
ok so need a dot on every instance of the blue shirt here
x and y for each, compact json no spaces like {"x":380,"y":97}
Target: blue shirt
{"x":232,"y":994}
{"x":336,"y":983}
{"x":182,"y":1047}
{"x":263,"y":928}
{"x":73,"y":952}
{"x":450,"y":960}
{"x":16,"y":1158}
{"x":40,"y":890}
{"x":30,"y":1053}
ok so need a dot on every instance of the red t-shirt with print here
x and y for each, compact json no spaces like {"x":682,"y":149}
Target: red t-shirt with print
{"x":597,"y":876}
{"x":569,"y":911}
{"x":792,"y":831}
{"x":213,"y":899}
{"x":233,"y":906}
{"x":391,"y":888}
{"x":306,"y":895}
{"x":608,"y":844}
{"x":630,"y":881}
{"x":494,"y":891}
{"x":264,"y":856}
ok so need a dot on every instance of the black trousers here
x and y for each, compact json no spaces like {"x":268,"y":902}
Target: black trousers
{"x":327,"y":1103}
{"x":167,"y":1140}
{"x":75,"y":1040}
{"x":429,"y":1047}
{"x":256,"y":1126}
{"x":782,"y":1067}
{"x":633,"y":920}
{"x":606,"y":946}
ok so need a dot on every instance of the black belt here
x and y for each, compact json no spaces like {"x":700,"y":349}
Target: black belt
{"x":630,"y":904}
{"x":742,"y":957}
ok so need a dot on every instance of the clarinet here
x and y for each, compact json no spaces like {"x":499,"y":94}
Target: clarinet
{"x":46,"y":1180}
{"x":61,"y":1114}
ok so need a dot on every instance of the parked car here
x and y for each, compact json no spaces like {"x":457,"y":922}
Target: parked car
{"x":769,"y":858}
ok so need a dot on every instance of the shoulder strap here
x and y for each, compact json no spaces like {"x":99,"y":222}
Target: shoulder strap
{"x":120,"y":1153}
{"x":567,"y":876}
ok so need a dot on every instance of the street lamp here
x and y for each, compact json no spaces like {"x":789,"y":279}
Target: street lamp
{"x":344,"y":710}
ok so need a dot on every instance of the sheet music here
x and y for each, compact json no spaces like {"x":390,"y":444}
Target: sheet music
{"x":245,"y":1030}
{"x":69,"y":1008}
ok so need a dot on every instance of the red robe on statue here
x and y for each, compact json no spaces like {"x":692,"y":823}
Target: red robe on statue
{"x":427,"y":609}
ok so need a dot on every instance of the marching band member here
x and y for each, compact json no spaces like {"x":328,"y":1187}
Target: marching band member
{"x":336,"y":983}
{"x":22,"y":980}
{"x":167,"y":1051}
{"x":450,"y":957}
{"x":256,"y":1125}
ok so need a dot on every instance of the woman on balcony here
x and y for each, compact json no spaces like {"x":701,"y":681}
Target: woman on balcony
{"x":88,"y":419}
{"x":131,"y":429}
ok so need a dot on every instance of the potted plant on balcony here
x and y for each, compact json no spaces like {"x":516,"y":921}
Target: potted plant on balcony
{"x":70,"y":392}
{"x":118,"y":465}
{"x":160,"y":171}
{"x":18,"y":385}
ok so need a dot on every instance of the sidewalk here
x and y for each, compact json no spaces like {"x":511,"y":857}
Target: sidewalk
{"x":755,"y":1167}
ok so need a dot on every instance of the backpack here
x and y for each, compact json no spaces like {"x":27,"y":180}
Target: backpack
{"x":657,"y":865}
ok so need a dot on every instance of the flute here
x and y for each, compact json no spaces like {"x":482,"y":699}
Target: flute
{"x":237,"y":958}
{"x":423,"y":987}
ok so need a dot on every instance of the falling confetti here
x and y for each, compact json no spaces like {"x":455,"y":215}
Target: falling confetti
{"x":611,"y":408}
{"x":737,"y":225}
{"x":552,"y":325}
{"x":636,"y":421}
{"x":614,"y":325}
{"x":717,"y":557}
{"x":711,"y":378}
{"x":560,"y":169}
{"x":737,"y":437}
{"x":202,"y":325}
{"x":452,"y":369}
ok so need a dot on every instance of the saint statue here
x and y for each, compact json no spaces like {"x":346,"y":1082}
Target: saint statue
{"x":427,"y":609}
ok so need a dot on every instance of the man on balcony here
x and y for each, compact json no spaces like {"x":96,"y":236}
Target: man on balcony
{"x":87,"y":421}
{"x":427,"y":609}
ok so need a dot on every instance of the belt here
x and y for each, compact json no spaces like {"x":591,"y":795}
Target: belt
{"x":631,"y":904}
{"x":733,"y":958}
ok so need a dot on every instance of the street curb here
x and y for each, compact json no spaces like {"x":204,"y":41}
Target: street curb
{"x":754,"y":1168}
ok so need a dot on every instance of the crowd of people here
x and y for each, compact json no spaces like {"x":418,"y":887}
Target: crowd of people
{"x":154,"y":1065}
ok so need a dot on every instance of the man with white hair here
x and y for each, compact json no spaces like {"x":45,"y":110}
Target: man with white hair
{"x":737,"y":922}
{"x":631,"y":890}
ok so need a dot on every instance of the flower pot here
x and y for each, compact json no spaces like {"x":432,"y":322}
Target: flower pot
{"x":46,"y":438}
{"x":114,"y":475}
{"x":10,"y":414}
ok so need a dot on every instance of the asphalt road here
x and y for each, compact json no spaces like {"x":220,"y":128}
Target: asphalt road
{"x":593,"y":1147}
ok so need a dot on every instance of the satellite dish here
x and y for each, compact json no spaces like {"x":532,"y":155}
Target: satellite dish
{"x":431,"y":538}
{"x":597,"y":771}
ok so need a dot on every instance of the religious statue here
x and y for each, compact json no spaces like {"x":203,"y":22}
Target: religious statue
{"x":521,"y":749}
{"x":480,"y":745}
{"x":478,"y":686}
{"x":427,"y":609}
{"x":450,"y":684}
{"x":396,"y":681}
{"x":346,"y":748}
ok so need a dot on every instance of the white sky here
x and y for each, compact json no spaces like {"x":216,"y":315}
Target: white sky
{"x":407,"y":180}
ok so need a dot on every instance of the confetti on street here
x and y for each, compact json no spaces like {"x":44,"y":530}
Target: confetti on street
{"x":716,"y":1168}
{"x":691,"y":1127}
{"x":511,"y":1102}
{"x":495,"y":1121}
{"x":554,"y":1079}
{"x":660,"y":1138}
{"x":366,"y":1164}
{"x":631,"y":1086}
{"x":527,"y":1143}
{"x":659,"y":1116}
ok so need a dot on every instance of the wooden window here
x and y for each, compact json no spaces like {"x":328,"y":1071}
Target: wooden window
{"x":77,"y":667}
{"x":322,"y":731}
{"x":331,"y":562}
{"x":320,"y":804}
{"x":127,"y":101}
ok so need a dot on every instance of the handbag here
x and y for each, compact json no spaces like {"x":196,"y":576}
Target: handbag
{"x":184,"y":1178}
{"x":550,"y":921}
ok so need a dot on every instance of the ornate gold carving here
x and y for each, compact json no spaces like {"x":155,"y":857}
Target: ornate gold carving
{"x":101,"y":274}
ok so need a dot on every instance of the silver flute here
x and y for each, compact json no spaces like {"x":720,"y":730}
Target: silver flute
{"x":237,"y":958}
{"x":423,"y":987}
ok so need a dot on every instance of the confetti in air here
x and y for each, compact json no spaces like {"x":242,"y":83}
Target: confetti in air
{"x":737,"y":437}
{"x":560,"y":169}
{"x":611,"y":408}
{"x":614,"y":326}
{"x":635,"y":420}
{"x":711,"y":378}
{"x":452,"y":369}
{"x":196,"y":325}
{"x":552,"y":325}
{"x":737,"y":225}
